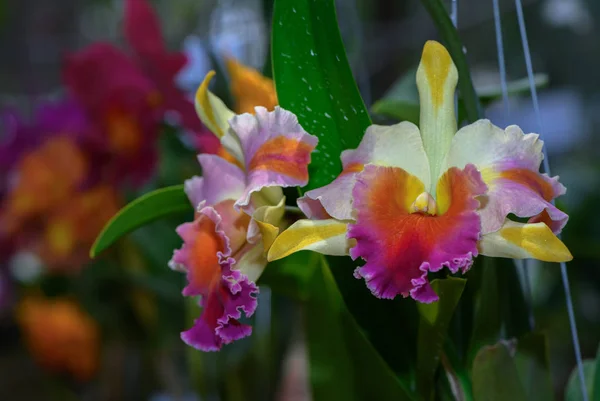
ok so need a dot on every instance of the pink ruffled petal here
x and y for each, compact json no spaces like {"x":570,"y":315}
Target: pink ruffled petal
{"x":276,"y":150}
{"x":400,"y":247}
{"x":226,"y":294}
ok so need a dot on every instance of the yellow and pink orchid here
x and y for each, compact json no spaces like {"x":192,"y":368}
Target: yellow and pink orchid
{"x":239,"y":207}
{"x":414,"y":200}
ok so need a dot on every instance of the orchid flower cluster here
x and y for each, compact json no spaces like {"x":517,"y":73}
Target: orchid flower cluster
{"x":81,"y":150}
{"x":410,"y":200}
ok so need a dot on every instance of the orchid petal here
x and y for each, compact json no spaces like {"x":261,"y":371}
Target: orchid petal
{"x":250,"y":88}
{"x":399,"y":145}
{"x":211,"y":110}
{"x":221,"y":180}
{"x":276,"y":150}
{"x":265,"y":224}
{"x":509,"y":162}
{"x":525,"y":241}
{"x":436,"y":80}
{"x":327,"y":237}
{"x":251,"y":261}
{"x":400,"y":247}
{"x":226,"y":293}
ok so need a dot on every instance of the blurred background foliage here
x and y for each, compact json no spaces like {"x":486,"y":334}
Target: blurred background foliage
{"x":134,"y":299}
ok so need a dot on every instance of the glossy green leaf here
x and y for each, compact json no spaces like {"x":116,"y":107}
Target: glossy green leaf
{"x":314,"y":81}
{"x":441,"y":19}
{"x":149,"y":207}
{"x":533,"y":365}
{"x":433,"y":328}
{"x":495,"y":375}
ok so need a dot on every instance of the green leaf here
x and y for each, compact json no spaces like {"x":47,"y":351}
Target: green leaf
{"x":344,"y":364}
{"x":433,"y":328}
{"x":149,"y":207}
{"x":442,"y":21}
{"x":495,"y":375}
{"x":314,"y":81}
{"x":533,"y":365}
{"x":591,"y":373}
{"x":596,"y":380}
{"x":401,"y":101}
{"x":489,"y":93}
{"x":573,"y":389}
{"x":500,"y":304}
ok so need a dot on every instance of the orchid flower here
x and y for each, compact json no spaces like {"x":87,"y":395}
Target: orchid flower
{"x":413,"y":200}
{"x":122,"y":102}
{"x":239,"y":206}
{"x":144,"y":36}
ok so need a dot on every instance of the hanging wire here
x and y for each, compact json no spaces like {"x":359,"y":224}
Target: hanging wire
{"x":563,"y":265}
{"x":521,"y":265}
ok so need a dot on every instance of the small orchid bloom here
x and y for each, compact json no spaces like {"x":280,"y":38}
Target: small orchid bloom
{"x":239,"y":206}
{"x":144,"y":36}
{"x":122,"y":102}
{"x":410,"y":201}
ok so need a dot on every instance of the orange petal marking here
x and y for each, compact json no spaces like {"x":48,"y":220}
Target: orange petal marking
{"x":283,"y":156}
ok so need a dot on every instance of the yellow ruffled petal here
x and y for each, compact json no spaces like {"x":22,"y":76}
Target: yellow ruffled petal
{"x":211,"y":110}
{"x":323,"y":236}
{"x":525,"y":241}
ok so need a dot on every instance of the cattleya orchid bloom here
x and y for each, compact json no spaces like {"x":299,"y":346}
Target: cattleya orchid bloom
{"x":413,"y":200}
{"x":239,"y":206}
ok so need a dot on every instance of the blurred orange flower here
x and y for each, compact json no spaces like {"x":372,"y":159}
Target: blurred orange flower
{"x":60,"y":335}
{"x":70,"y":232}
{"x":249,"y":88}
{"x":43,"y":179}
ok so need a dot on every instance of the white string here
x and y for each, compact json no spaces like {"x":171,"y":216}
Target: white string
{"x":563,"y":266}
{"x":454,"y":12}
{"x":522,"y":265}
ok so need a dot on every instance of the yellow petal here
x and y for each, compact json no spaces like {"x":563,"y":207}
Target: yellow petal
{"x":267,"y":220}
{"x":211,"y":110}
{"x":436,"y":80}
{"x":525,"y":241}
{"x":323,"y":236}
